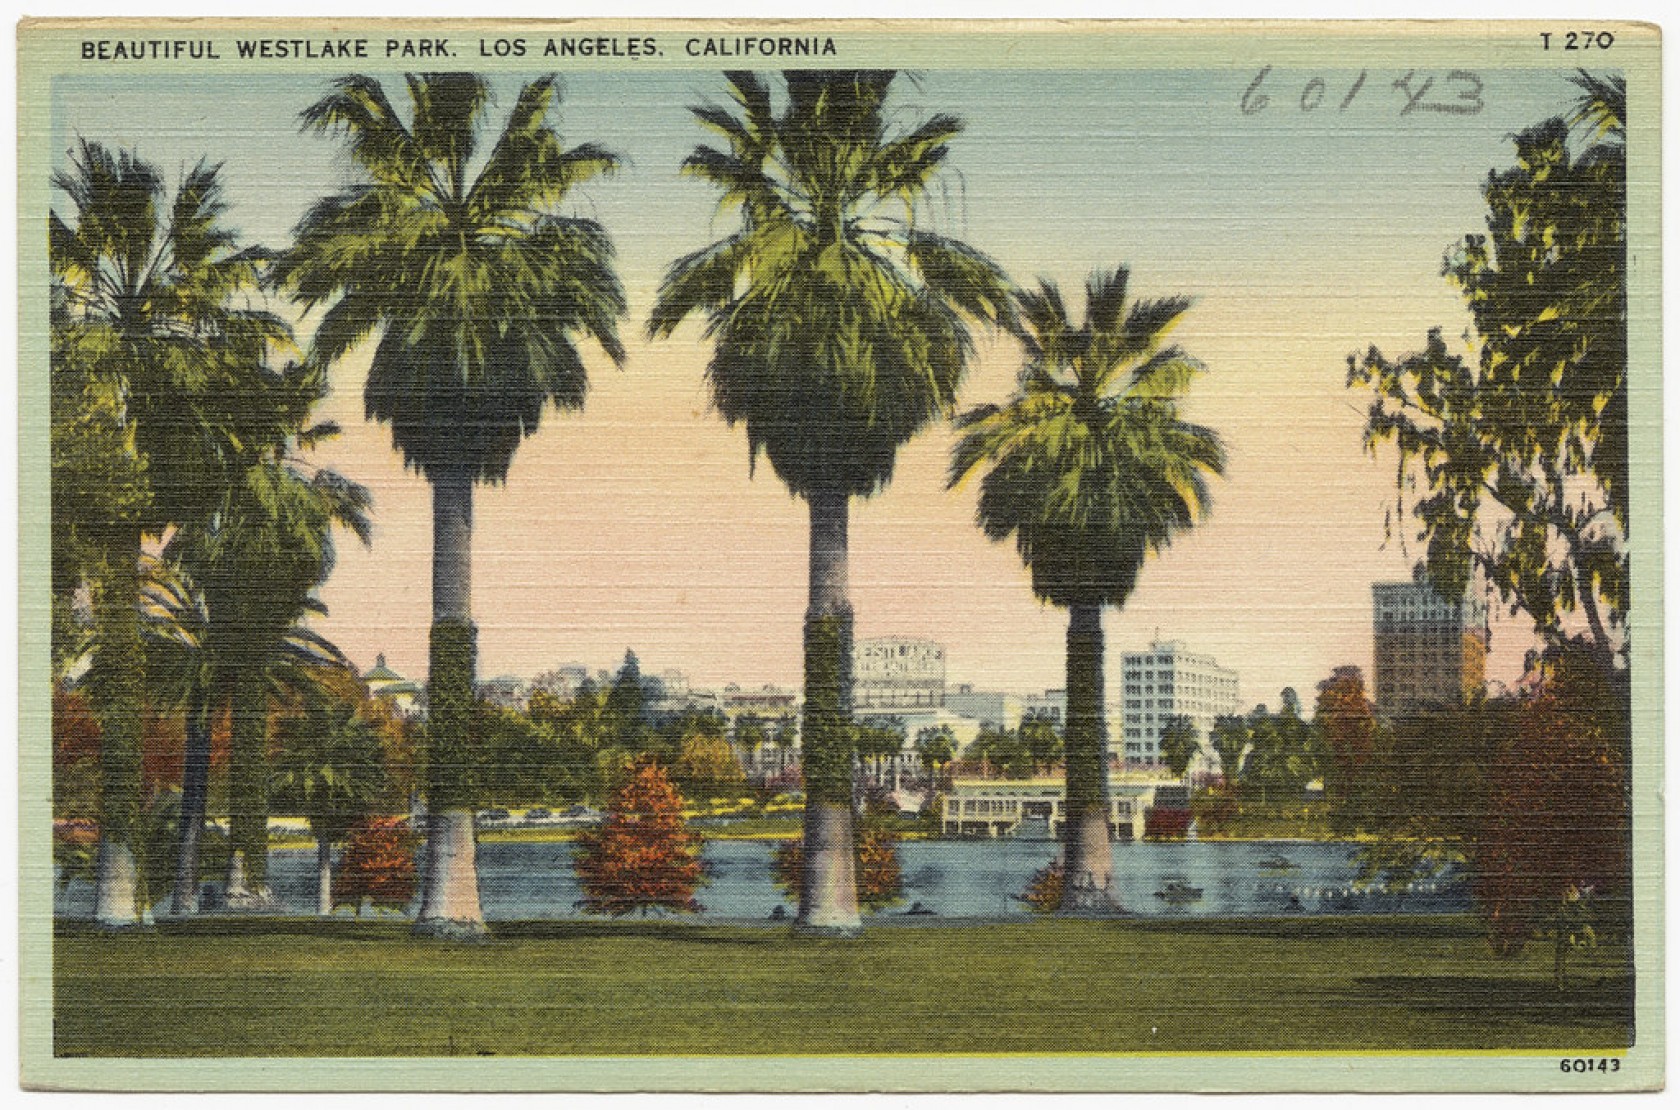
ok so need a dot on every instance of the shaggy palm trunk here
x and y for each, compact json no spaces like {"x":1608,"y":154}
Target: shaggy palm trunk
{"x":247,"y":886}
{"x":114,"y":683}
{"x":195,"y":788}
{"x":828,"y":901}
{"x":323,"y":875}
{"x":449,"y":904}
{"x":1087,"y":856}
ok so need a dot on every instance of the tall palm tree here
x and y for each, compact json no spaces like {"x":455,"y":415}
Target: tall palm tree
{"x":150,"y":316}
{"x":1091,"y":469}
{"x":840,"y":328}
{"x":258,"y":561}
{"x":480,"y":287}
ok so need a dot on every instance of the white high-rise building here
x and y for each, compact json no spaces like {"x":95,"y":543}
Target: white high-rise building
{"x":1167,"y":682}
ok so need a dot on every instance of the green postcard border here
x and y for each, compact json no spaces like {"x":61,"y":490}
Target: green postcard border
{"x":48,"y":48}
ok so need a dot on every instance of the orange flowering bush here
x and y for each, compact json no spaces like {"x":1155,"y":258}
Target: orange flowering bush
{"x":1044,"y":889}
{"x":642,"y":856}
{"x":880,"y":880}
{"x":378,"y":864}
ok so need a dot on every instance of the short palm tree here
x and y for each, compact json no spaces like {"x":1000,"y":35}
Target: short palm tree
{"x":1091,"y":469}
{"x":331,"y":765}
{"x":840,"y":326}
{"x":480,"y":288}
{"x":153,"y":323}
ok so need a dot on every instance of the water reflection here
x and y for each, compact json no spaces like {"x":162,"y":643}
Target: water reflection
{"x":950,"y":879}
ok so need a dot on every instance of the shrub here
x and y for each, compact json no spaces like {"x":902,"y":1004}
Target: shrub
{"x":641,"y":856}
{"x":880,"y":879}
{"x":378,"y":864}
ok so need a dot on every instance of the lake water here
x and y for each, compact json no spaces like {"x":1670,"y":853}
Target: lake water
{"x":954,"y":879}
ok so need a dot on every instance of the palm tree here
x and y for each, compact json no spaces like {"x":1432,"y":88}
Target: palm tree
{"x":152,"y":322}
{"x":330,"y":768}
{"x":480,"y":288}
{"x":1091,"y":469}
{"x":265,"y":551}
{"x":840,"y":329}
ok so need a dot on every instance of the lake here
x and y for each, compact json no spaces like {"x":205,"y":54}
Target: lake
{"x":954,"y":879}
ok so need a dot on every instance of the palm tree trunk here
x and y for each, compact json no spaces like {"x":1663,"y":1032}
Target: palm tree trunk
{"x":449,"y":905}
{"x":115,"y":683}
{"x":1087,"y":856}
{"x":195,"y":786}
{"x":828,"y":902}
{"x":323,"y":874}
{"x":248,"y":791}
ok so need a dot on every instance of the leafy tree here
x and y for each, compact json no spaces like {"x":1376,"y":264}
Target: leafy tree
{"x":152,"y":320}
{"x":377,"y":866}
{"x":750,"y":734}
{"x":1425,"y":796}
{"x":642,"y":856}
{"x":936,"y":747}
{"x":480,"y":288}
{"x":840,"y":328}
{"x":1091,"y":470}
{"x":1284,"y":751}
{"x":1230,"y":739}
{"x":707,"y":765}
{"x":1346,"y":719}
{"x":1043,"y":742}
{"x":1180,"y":742}
{"x":879,"y":744}
{"x":1003,"y":752}
{"x":256,"y":561}
{"x":1518,"y":454}
{"x":1554,"y":844}
{"x":624,"y":714}
{"x":330,"y":769}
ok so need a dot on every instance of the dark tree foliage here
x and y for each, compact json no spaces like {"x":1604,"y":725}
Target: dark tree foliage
{"x":1515,"y":458}
{"x":1179,"y":744}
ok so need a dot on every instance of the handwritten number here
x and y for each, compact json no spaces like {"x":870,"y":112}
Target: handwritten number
{"x":1353,"y":92}
{"x":1469,"y":100}
{"x":1254,"y":100}
{"x":1404,"y":85}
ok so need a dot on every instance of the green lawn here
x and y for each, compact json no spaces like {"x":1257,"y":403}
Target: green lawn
{"x":303,"y":987}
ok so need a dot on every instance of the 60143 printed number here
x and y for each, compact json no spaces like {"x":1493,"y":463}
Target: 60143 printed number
{"x":1582,"y":1065}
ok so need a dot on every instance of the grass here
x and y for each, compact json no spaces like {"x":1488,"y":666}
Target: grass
{"x":344,"y":988}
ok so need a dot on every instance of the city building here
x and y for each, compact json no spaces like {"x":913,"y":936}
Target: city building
{"x":990,"y":708}
{"x":1037,"y":808}
{"x":766,"y":701}
{"x":1428,"y":651}
{"x":507,"y":691}
{"x":382,"y":682}
{"x":562,"y":682}
{"x":1050,"y":705}
{"x":1167,"y":682}
{"x":896,"y":671}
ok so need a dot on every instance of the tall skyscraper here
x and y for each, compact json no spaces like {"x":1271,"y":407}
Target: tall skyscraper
{"x":1428,"y":651}
{"x":1165,"y":682}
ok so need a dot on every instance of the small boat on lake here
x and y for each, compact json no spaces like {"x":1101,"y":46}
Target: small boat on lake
{"x":1178,"y":891}
{"x":1277,"y":862}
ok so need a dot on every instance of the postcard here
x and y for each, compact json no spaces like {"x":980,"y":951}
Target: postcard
{"x":840,"y":556}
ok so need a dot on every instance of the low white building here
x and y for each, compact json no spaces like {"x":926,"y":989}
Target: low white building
{"x":1010,"y":807}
